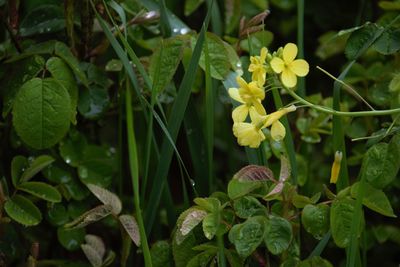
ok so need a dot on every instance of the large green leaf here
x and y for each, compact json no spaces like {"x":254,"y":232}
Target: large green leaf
{"x":165,"y":61}
{"x":315,"y":219}
{"x":43,"y":19}
{"x":315,"y":261}
{"x":93,"y":101}
{"x":41,"y":190}
{"x":389,"y":42}
{"x":380,"y":164}
{"x":41,"y":112}
{"x":374,"y":199}
{"x":57,"y":214}
{"x":62,"y":73}
{"x":341,"y":218}
{"x":22,"y":210}
{"x":278,"y":234}
{"x":36,"y":166}
{"x":248,"y":236}
{"x":161,"y":254}
{"x":361,"y":39}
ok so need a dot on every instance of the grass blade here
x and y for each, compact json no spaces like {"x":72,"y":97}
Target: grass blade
{"x":175,"y":120}
{"x":134,"y":169}
{"x":321,"y":245}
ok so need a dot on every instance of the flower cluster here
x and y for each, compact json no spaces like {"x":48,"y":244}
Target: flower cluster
{"x":250,"y":95}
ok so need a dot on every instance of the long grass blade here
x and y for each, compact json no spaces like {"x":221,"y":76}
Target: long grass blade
{"x":174,"y":122}
{"x":321,"y":245}
{"x":209,"y":117}
{"x":134,"y":169}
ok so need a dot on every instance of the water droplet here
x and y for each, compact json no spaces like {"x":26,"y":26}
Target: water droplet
{"x":83,"y":172}
{"x":150,"y":14}
{"x":192,"y":182}
{"x":184,"y":30}
{"x":68,"y":160}
{"x":175,"y":30}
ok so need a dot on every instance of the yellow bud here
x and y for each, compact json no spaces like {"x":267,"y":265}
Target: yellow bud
{"x":336,"y":167}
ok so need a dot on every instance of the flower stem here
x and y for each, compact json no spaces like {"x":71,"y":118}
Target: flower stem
{"x":343,"y":113}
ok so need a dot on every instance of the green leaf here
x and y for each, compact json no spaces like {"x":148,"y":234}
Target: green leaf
{"x":361,"y":39}
{"x":248,"y":206}
{"x":17,"y":74}
{"x":41,"y":112}
{"x":389,"y":42}
{"x":341,"y":217}
{"x":315,"y":219}
{"x":43,"y":20}
{"x":36,"y":166}
{"x":63,"y":74}
{"x":191,"y":6}
{"x":71,"y":149}
{"x":258,"y":40}
{"x":247,"y":236}
{"x":380,"y":164}
{"x":165,"y":61}
{"x":219,"y":59}
{"x":374,"y":199}
{"x":57,"y":214}
{"x":278,"y":234}
{"x":41,"y":190}
{"x":93,"y":101}
{"x":57,"y":173}
{"x":232,"y":15}
{"x":315,"y":261}
{"x":98,"y":166}
{"x":210,"y":224}
{"x":107,"y":198}
{"x":161,"y":254}
{"x":237,"y":189}
{"x":18,"y":165}
{"x":202,"y":259}
{"x":63,"y":52}
{"x":22,"y":210}
{"x":71,"y":239}
{"x":76,"y":189}
{"x":131,"y":227}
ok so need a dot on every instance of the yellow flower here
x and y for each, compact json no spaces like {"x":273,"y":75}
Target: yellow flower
{"x":249,"y":94}
{"x":288,"y":67}
{"x":258,"y":68}
{"x":250,"y":134}
{"x":336,"y":167}
{"x":278,"y":131}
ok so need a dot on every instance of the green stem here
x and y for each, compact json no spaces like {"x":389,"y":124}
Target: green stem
{"x":301,"y":87}
{"x":343,"y":113}
{"x":289,"y":138}
{"x":134,"y":168}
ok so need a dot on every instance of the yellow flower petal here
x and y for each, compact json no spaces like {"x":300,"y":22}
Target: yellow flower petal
{"x":257,"y":119}
{"x":278,"y":131}
{"x":263,"y":54}
{"x":248,"y":135}
{"x":289,"y":52}
{"x":259,"y":108}
{"x":258,"y":76}
{"x":256,"y":91}
{"x":239,"y":114}
{"x":336,"y":167}
{"x":275,"y":116}
{"x":234,"y":94}
{"x":241,"y":82}
{"x":299,"y":67}
{"x":277,"y":65}
{"x":288,"y":78}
